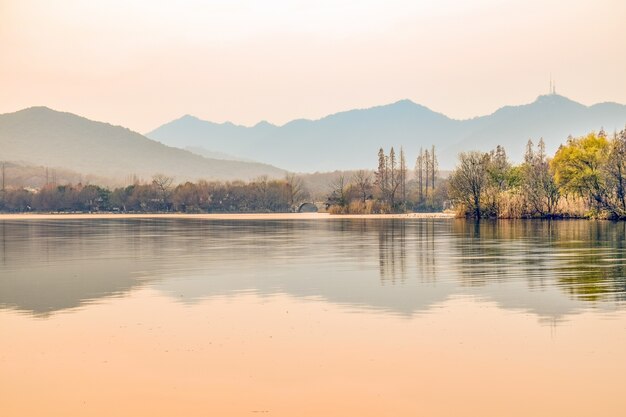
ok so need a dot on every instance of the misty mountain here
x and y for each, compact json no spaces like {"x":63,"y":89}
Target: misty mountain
{"x":350,"y":139}
{"x":199,"y":150}
{"x":44,"y":137}
{"x":22,"y":175}
{"x":201,"y":136}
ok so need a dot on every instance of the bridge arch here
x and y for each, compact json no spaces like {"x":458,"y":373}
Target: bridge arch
{"x":307,"y":207}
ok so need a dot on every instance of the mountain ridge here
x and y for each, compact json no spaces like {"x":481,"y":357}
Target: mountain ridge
{"x":350,"y":139}
{"x":397,"y":102}
{"x":42,"y":136}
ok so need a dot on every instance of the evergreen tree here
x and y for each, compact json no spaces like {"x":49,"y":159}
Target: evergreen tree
{"x":419,"y":170}
{"x":382,"y":175}
{"x":393,"y":177}
{"x":433,"y":167}
{"x":403,"y":172}
{"x":427,"y":162}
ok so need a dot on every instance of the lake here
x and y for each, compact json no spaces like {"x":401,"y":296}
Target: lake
{"x":333,"y":317}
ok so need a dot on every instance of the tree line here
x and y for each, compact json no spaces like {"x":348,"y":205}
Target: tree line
{"x":585,"y":178}
{"x":392,"y":188}
{"x":161,"y":195}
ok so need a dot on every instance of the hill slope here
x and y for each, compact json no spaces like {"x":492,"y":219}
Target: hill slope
{"x":350,"y":140}
{"x":42,"y":136}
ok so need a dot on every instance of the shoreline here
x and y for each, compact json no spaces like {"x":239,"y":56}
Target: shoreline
{"x":219,"y":216}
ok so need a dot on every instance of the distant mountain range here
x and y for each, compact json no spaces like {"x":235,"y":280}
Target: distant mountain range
{"x":40,"y":136}
{"x":350,"y":140}
{"x":193,"y":149}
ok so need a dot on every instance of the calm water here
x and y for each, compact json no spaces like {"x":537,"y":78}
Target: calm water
{"x":312,"y":318}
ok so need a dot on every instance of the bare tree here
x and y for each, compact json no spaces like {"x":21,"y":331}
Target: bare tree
{"x":538,"y":184}
{"x":163,"y":186}
{"x":3,"y":165}
{"x":469,"y":180}
{"x":295,"y":189}
{"x":262,"y":186}
{"x":339,"y":191}
{"x":362,"y":180}
{"x":616,"y":170}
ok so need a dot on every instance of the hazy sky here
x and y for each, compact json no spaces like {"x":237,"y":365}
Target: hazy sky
{"x":143,"y":63}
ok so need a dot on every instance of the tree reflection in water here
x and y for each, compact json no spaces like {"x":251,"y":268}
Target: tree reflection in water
{"x":399,"y":266}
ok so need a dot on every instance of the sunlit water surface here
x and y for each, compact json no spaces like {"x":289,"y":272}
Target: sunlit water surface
{"x":335,"y":317}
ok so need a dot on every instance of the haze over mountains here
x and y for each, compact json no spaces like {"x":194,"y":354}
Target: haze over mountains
{"x":350,"y":139}
{"x":44,"y":137}
{"x":192,"y":149}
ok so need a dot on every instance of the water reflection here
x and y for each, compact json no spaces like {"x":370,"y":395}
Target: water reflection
{"x":396,"y":266}
{"x":583,"y":258}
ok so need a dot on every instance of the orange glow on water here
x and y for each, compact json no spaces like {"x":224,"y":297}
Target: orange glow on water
{"x":281,"y":356}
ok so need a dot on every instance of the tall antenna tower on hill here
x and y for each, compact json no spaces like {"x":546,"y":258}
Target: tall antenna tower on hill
{"x":552,"y":90}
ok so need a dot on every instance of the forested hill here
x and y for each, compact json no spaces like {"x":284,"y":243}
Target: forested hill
{"x":349,"y":140}
{"x":41,"y":136}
